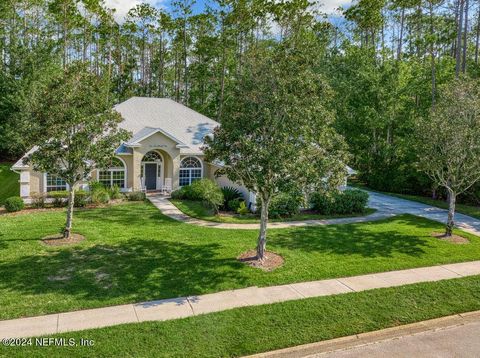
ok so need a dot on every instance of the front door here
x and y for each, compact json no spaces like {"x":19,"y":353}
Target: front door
{"x":151,"y":176}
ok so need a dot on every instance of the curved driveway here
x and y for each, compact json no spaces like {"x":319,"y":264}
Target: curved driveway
{"x":386,"y":206}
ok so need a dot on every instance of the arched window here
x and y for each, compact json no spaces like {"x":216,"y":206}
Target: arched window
{"x":190,"y":170}
{"x":152,"y":157}
{"x":114,"y":175}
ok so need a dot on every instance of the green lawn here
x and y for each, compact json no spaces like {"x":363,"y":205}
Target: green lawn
{"x":195,"y":209}
{"x":134,"y":253}
{"x":8,"y":182}
{"x":250,"y":330}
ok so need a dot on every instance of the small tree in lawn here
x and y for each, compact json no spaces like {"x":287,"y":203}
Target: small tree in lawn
{"x":276,"y":132}
{"x":449,"y":141}
{"x":75,"y":130}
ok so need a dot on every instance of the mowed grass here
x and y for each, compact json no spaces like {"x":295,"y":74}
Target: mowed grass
{"x":8,"y":182}
{"x":133,"y":253}
{"x":257,"y":329}
{"x":197,"y":210}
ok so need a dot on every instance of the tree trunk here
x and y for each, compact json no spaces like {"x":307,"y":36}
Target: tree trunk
{"x":68,"y":227}
{"x":400,"y":39}
{"x":262,"y":236}
{"x":432,"y":54}
{"x":458,"y":49}
{"x":465,"y":39}
{"x":452,"y":198}
{"x":477,"y":39}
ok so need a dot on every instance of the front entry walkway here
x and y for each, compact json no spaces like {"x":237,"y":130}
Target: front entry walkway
{"x":386,"y":206}
{"x":180,"y":307}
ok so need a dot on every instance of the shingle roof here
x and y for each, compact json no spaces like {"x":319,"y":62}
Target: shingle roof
{"x":144,"y":116}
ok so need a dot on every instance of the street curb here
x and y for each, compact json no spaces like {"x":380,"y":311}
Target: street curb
{"x":368,"y":338}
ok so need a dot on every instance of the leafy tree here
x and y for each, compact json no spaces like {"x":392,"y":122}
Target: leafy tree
{"x":75,"y":130}
{"x":448,"y":141}
{"x":276,"y":132}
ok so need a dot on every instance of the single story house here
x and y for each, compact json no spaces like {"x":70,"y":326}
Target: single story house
{"x":164,"y":152}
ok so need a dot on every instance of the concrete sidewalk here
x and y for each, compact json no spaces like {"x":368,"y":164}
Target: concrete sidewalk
{"x":190,"y":306}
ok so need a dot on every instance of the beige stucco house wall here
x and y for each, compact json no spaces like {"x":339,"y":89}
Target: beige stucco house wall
{"x":170,"y":132}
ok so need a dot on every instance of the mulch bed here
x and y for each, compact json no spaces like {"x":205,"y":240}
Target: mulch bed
{"x":27,"y":210}
{"x":59,"y":240}
{"x":269,"y":263}
{"x":454,"y":239}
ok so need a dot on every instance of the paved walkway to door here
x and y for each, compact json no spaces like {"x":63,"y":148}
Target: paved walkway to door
{"x":180,"y":307}
{"x":386,"y":206}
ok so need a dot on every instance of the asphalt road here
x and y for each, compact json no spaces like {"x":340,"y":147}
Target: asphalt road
{"x":457,"y":341}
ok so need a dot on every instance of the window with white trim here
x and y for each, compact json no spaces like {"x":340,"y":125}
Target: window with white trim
{"x":113,"y":176}
{"x":190,"y":170}
{"x":54,"y":183}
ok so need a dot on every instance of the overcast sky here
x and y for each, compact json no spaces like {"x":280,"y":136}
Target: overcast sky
{"x":122,"y":6}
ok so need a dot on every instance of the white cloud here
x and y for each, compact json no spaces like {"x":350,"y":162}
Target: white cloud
{"x":123,"y":6}
{"x":330,"y":7}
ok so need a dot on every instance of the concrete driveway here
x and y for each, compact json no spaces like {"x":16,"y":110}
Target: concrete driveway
{"x":387,"y":204}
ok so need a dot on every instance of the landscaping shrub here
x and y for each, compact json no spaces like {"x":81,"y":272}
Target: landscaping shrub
{"x":204,"y":190}
{"x":208,"y":192}
{"x":115,"y":192}
{"x":95,"y":185}
{"x":322,"y":203}
{"x":136,"y":196}
{"x":243,"y":210}
{"x":100,"y":196}
{"x":230,"y":194}
{"x":80,"y":199}
{"x":234,"y":204}
{"x":285,"y":204}
{"x":14,"y":203}
{"x":179,"y":193}
{"x":346,"y":202}
{"x":352,"y":201}
{"x":59,"y":198}
{"x":38,"y":200}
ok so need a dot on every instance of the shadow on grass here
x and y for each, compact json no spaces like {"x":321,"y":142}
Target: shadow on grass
{"x":139,"y":268}
{"x":358,"y":239}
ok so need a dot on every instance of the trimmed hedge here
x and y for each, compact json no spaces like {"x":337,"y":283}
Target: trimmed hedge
{"x":346,"y":202}
{"x":285,"y":205}
{"x":59,"y":198}
{"x":14,"y":203}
